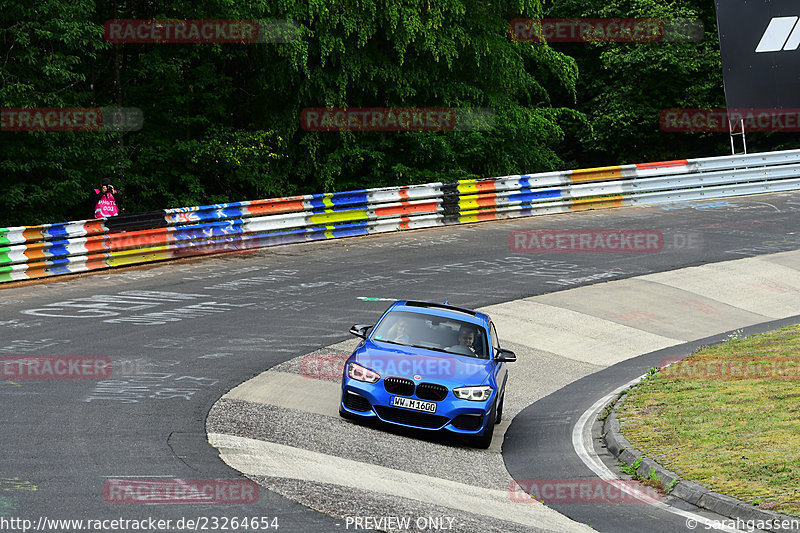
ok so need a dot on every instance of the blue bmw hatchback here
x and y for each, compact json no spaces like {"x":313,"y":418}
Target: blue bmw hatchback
{"x":428,"y":366}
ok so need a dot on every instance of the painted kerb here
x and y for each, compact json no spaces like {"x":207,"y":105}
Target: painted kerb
{"x":31,"y":252}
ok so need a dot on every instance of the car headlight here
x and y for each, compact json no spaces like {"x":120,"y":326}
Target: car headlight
{"x":359,"y":373}
{"x":476,"y":394}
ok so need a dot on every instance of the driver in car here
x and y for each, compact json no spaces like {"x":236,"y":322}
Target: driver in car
{"x":466,"y":337}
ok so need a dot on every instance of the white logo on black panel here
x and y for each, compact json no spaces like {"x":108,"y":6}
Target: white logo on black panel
{"x":782,"y":33}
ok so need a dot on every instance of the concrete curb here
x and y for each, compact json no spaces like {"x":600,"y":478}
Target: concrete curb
{"x":688,"y":491}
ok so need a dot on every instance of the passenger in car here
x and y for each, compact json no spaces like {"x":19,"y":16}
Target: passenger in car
{"x":399,"y":332}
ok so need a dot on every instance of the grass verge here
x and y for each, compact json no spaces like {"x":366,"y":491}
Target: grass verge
{"x":727,"y":417}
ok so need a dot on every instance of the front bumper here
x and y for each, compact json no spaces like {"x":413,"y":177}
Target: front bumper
{"x":370,"y":401}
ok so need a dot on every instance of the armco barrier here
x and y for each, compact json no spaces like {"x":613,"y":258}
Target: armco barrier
{"x":53,"y":249}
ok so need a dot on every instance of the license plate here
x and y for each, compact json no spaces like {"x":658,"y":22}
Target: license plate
{"x":417,"y":405}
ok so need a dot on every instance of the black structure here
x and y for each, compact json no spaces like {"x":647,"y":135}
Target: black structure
{"x":760,"y":55}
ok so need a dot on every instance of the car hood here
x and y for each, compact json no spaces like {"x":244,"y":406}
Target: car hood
{"x":432,"y":366}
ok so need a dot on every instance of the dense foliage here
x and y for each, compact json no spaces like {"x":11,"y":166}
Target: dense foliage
{"x":222,"y":121}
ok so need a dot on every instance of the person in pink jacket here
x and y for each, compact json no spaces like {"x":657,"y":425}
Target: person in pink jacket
{"x":106,"y":200}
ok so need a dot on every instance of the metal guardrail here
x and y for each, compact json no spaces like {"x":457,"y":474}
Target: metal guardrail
{"x":52,"y":249}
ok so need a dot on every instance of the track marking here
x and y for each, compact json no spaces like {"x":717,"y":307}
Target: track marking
{"x":261,"y":458}
{"x":582,"y":443}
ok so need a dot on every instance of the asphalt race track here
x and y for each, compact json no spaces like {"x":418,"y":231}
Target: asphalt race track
{"x":282,"y":428}
{"x":539,"y":445}
{"x":183,"y":334}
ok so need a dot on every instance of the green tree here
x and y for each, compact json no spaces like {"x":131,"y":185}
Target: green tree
{"x":624,"y":87}
{"x":222,"y":121}
{"x":47,"y":53}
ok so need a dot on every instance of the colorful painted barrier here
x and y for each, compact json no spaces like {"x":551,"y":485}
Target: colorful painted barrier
{"x":80,"y":246}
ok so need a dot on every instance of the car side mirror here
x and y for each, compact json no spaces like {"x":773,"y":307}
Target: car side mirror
{"x":505,"y":356}
{"x":360,"y":330}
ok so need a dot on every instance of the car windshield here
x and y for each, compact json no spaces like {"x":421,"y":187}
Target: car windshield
{"x":432,"y":332}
